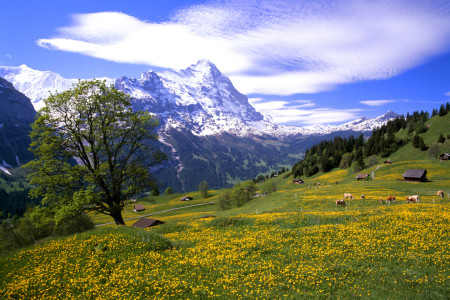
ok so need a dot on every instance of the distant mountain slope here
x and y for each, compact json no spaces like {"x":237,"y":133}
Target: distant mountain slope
{"x":208,"y":129}
{"x":16,"y":115}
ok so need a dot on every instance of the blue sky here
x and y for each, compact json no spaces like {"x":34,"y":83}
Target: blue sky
{"x":302,"y":62}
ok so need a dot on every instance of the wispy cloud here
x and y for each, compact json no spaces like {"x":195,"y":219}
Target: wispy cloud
{"x":377,"y":102}
{"x":302,"y":112}
{"x":447,"y":94}
{"x":272,"y":47}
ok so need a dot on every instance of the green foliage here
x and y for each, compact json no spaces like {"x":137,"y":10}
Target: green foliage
{"x":441,"y":139}
{"x":155,"y":191}
{"x":268,"y":187}
{"x":37,"y":224}
{"x":95,"y":125}
{"x":168,"y":191}
{"x":203,"y":189}
{"x":243,"y":192}
{"x":225,"y":200}
{"x":434,"y":151}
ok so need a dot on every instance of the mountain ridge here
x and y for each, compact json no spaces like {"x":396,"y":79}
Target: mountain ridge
{"x":199,"y":98}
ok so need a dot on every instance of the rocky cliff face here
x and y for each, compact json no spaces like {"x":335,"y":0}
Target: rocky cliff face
{"x":16,"y":115}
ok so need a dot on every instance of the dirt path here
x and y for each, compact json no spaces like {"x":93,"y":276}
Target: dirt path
{"x":163,"y":211}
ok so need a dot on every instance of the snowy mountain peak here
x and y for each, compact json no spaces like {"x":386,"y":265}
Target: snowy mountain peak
{"x":37,"y":85}
{"x":199,"y":98}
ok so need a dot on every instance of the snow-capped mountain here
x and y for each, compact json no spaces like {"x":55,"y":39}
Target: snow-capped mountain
{"x":199,"y":98}
{"x":37,"y":85}
{"x":209,"y":130}
{"x":362,"y":124}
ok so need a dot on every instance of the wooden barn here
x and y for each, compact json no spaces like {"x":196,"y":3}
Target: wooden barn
{"x":444,"y":156}
{"x":298,"y":181}
{"x":362,"y":176}
{"x":388,"y":162}
{"x":147,"y":222}
{"x":415,"y":175}
{"x":138,"y":207}
{"x":186,"y":198}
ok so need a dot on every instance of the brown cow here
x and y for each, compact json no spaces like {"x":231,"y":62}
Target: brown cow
{"x":349,"y":196}
{"x":363,"y":197}
{"x":390,"y":199}
{"x":440,"y":194}
{"x":340,"y":202}
{"x":412,"y":199}
{"x":381,"y":200}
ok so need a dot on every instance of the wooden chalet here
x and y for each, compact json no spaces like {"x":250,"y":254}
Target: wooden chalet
{"x":298,"y":181}
{"x":362,"y":176}
{"x":415,"y":175}
{"x":186,"y":198}
{"x":444,"y":156}
{"x":147,"y":222}
{"x":138,"y":207}
{"x":388,"y":162}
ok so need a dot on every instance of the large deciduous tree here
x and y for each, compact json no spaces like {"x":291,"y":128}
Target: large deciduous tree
{"x":92,"y":151}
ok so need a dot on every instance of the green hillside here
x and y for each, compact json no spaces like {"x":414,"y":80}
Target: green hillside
{"x":293,"y":243}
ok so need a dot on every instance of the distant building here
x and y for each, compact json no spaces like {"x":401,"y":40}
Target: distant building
{"x":186,"y":198}
{"x":362,"y":176}
{"x":444,"y":156}
{"x":139,"y":207}
{"x":298,"y":181}
{"x":415,"y":175}
{"x":388,"y":162}
{"x":147,"y":222}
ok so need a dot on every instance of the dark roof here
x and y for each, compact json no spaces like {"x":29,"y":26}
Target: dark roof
{"x":297,"y":180}
{"x":388,"y":161}
{"x":415,"y":173}
{"x":362,"y":176}
{"x":186,"y":198}
{"x":146,"y":222}
{"x":139,"y":207}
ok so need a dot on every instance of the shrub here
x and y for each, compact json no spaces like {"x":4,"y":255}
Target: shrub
{"x":168,"y":191}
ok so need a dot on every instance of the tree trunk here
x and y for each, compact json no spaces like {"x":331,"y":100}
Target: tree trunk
{"x":117,"y":216}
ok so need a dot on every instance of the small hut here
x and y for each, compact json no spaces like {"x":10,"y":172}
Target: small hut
{"x":388,"y":162}
{"x":298,"y":181}
{"x":415,"y":175}
{"x":138,"y":207}
{"x":362,"y":176}
{"x":146,"y":222}
{"x":444,"y":156}
{"x":186,"y":198}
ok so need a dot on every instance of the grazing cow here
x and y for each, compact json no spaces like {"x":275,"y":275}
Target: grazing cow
{"x":440,"y":194}
{"x":363,"y":197}
{"x":390,"y":199}
{"x":340,"y":202}
{"x":349,"y":196}
{"x":381,"y":200}
{"x":412,"y":199}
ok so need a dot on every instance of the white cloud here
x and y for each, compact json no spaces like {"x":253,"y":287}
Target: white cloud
{"x":377,"y":102}
{"x":447,"y":94}
{"x":273,"y":47}
{"x":300,"y":112}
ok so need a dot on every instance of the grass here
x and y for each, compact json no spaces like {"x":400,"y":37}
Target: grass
{"x":294,"y":243}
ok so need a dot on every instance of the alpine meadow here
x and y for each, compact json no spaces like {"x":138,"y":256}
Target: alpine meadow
{"x":178,"y":149}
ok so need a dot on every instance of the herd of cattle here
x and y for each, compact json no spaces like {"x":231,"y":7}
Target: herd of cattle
{"x":389,"y":199}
